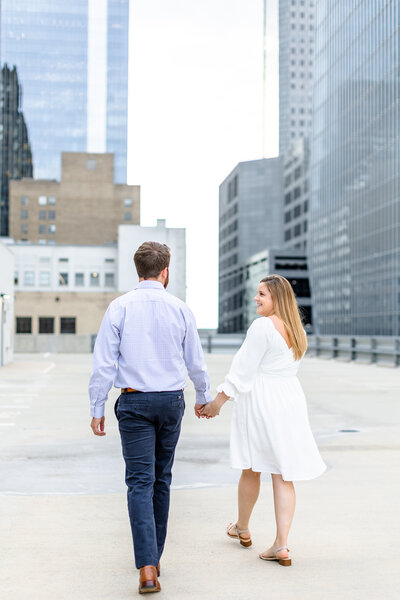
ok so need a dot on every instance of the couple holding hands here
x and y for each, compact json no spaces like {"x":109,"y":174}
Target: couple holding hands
{"x":147,"y":340}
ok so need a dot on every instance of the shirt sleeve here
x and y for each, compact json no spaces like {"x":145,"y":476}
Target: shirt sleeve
{"x":194,"y":360}
{"x":105,"y":356}
{"x":246,"y":361}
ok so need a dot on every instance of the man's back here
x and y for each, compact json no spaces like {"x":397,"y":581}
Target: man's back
{"x":153,"y":337}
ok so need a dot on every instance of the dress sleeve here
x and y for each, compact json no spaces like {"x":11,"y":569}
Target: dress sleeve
{"x":247,"y":360}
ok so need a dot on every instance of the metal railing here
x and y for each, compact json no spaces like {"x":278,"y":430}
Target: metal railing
{"x":383,"y":350}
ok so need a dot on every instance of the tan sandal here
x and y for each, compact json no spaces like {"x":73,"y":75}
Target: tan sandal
{"x":285,"y":562}
{"x":246,"y":542}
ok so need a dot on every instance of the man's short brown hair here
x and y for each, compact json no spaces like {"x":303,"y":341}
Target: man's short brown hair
{"x":151,"y":258}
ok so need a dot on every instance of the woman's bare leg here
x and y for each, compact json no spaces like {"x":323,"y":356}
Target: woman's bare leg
{"x":285,"y":504}
{"x":248,"y":491}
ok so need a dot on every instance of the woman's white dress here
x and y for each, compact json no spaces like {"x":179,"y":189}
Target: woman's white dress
{"x":270,"y":430}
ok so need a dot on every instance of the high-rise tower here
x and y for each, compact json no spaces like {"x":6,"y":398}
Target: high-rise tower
{"x":296,"y":62}
{"x":72,"y":62}
{"x":15,"y":150}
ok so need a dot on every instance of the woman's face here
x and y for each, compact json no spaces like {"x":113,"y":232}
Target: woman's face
{"x":265,"y":305}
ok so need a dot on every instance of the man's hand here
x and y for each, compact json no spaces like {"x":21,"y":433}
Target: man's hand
{"x":197,"y":409}
{"x":97,"y":426}
{"x":212,"y":409}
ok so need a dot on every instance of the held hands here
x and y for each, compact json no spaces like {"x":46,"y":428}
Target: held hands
{"x":212,"y":409}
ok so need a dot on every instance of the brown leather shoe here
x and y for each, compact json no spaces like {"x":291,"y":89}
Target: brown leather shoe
{"x":148,"y":581}
{"x":158,"y":570}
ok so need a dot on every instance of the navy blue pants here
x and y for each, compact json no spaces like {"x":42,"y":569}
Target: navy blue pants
{"x":149,"y":424}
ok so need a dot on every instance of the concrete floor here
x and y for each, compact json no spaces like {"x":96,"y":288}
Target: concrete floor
{"x":63,"y":521}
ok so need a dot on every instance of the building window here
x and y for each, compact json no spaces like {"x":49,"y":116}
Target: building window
{"x":297,"y":231}
{"x":109,"y":281}
{"x":29,"y":278}
{"x":24,"y":325}
{"x":42,"y":200}
{"x":127,"y":201}
{"x":24,"y":228}
{"x":127,"y":217}
{"x":52,"y":200}
{"x":109,"y":260}
{"x":297,"y":211}
{"x":64,"y":260}
{"x":91,"y":164}
{"x":288,"y":216}
{"x":44,"y":259}
{"x":288,"y":198}
{"x":67,"y":325}
{"x":46,"y":324}
{"x":52,"y":215}
{"x":52,"y":228}
{"x":24,"y":200}
{"x":44,"y":278}
{"x":305,"y":227}
{"x":94,"y":279}
{"x":42,"y":214}
{"x":288,"y":235}
{"x":297,"y":192}
{"x":63,"y":279}
{"x":42,"y":229}
{"x":24,"y":214}
{"x":305,"y":206}
{"x":79,"y":279}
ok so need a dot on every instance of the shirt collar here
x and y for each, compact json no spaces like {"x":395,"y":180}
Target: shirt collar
{"x":149,"y":284}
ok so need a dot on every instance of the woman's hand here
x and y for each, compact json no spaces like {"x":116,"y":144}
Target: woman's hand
{"x":212,"y":409}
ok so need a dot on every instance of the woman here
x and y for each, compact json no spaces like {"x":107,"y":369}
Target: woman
{"x":270,"y":429}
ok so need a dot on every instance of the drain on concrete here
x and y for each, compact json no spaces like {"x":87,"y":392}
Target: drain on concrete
{"x":349,"y":430}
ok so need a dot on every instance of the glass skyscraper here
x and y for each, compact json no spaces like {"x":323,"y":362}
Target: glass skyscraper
{"x":71,"y":59}
{"x":354,"y":245}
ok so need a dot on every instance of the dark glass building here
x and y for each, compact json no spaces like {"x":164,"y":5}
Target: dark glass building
{"x":15,"y":150}
{"x":72,"y":62}
{"x":354,"y":245}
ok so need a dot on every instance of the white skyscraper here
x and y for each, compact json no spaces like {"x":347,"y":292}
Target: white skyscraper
{"x":296,"y":62}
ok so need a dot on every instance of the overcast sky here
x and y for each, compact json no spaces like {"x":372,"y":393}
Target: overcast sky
{"x":196,"y":111}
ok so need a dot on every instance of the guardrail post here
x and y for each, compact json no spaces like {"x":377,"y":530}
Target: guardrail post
{"x":335,"y":344}
{"x":353,"y":354}
{"x":396,"y":353}
{"x":374,"y":356}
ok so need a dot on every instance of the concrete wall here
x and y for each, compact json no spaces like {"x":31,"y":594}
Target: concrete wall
{"x":87,"y":307}
{"x":6,"y":305}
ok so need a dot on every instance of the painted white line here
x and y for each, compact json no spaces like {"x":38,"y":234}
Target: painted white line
{"x":14,"y":414}
{"x":49,"y":368}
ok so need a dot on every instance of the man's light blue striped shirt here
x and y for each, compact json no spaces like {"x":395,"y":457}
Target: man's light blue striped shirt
{"x":147,"y":340}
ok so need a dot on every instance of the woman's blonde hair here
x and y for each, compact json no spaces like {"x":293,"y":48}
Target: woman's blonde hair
{"x":285,"y":307}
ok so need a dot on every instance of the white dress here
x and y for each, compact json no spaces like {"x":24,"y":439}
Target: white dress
{"x":270,"y":430}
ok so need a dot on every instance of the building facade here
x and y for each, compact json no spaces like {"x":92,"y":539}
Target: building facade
{"x":65,"y":289}
{"x":6,"y":305}
{"x":355,"y":179}
{"x":296,"y":67}
{"x":15,"y":149}
{"x":250,"y":220}
{"x":85,"y":207}
{"x":296,"y":194}
{"x":72,"y":62}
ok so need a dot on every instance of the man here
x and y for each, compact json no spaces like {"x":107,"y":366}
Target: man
{"x":152,"y":336}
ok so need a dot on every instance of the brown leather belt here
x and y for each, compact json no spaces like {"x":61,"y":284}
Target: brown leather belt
{"x":130,"y":391}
